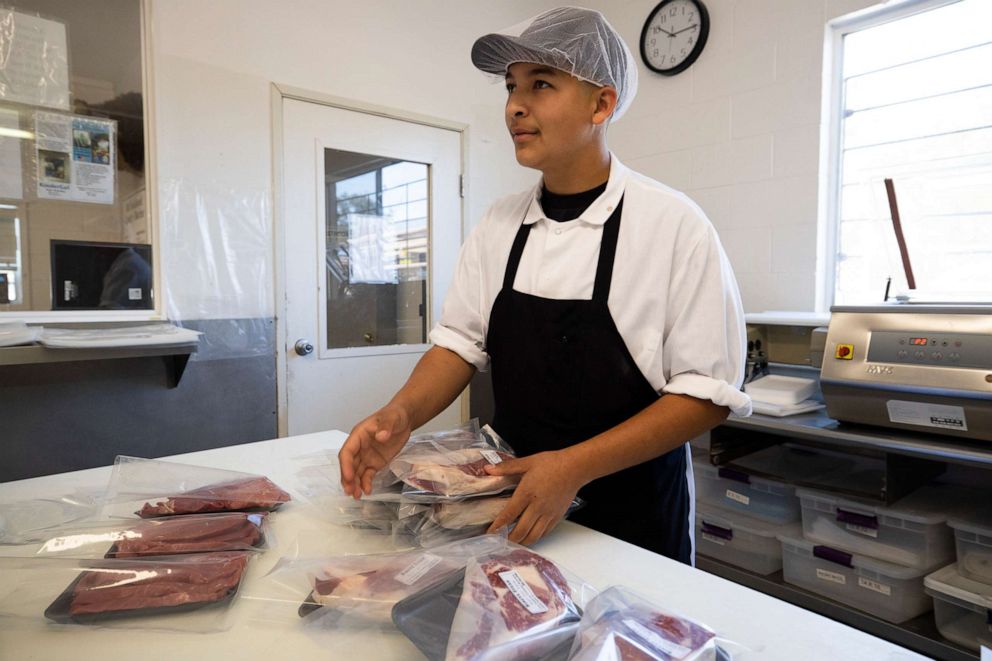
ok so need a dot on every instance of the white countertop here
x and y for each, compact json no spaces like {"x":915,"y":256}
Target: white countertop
{"x":772,"y":629}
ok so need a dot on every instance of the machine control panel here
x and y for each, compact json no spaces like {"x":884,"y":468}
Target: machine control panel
{"x":934,"y":349}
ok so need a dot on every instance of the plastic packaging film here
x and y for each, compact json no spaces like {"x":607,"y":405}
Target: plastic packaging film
{"x":217,"y":266}
{"x":150,"y":488}
{"x":189,"y":593}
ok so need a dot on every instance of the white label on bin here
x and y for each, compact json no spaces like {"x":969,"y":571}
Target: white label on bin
{"x":739,"y":497}
{"x":416,"y":570}
{"x":134,"y":293}
{"x":668,"y":647}
{"x":522,"y":592}
{"x":927,"y":415}
{"x":986,"y":653}
{"x":875,"y":586}
{"x":831,"y":576}
{"x":713,"y":538}
{"x":492,"y":456}
{"x":864,"y":530}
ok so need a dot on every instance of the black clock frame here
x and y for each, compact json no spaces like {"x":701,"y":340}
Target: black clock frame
{"x":704,"y":33}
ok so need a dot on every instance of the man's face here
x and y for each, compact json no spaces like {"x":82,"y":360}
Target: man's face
{"x":549,"y":114}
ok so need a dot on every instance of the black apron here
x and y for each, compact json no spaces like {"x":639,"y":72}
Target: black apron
{"x":562,"y":374}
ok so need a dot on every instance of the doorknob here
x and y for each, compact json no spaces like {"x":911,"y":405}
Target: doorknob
{"x":303,"y":347}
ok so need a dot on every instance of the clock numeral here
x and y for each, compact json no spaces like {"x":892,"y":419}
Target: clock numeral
{"x":654,"y":42}
{"x":663,"y":19}
{"x":673,"y":11}
{"x":692,"y":15}
{"x":683,"y":52}
{"x":655,"y":52}
{"x":672,"y":59}
{"x":691,"y":41}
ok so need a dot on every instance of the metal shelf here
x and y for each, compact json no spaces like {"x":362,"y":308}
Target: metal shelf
{"x":817,"y":426}
{"x":919,"y":634}
{"x":175,"y":356}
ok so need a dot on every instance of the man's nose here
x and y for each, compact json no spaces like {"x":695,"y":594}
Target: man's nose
{"x":514,"y":107}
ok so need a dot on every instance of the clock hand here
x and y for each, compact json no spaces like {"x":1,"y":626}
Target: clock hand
{"x":672,"y":34}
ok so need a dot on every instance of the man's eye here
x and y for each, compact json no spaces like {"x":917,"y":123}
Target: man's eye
{"x":509,"y":87}
{"x":541,"y":84}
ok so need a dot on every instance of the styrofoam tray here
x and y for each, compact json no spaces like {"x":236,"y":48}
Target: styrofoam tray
{"x":12,"y":335}
{"x":781,"y":390}
{"x":780,"y":411}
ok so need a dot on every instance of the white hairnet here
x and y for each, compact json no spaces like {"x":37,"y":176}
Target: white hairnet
{"x":575,"y":40}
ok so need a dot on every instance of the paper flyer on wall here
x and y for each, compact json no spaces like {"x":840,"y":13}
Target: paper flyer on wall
{"x":34,"y":61}
{"x":77,"y":158}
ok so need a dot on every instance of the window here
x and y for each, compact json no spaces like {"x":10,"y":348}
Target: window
{"x":72,"y":156}
{"x":377,"y":250}
{"x":913,"y":88}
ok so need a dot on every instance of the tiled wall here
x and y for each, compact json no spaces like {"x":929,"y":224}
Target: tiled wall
{"x":739,"y":131}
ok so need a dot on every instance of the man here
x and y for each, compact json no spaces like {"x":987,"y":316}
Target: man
{"x":611,"y":343}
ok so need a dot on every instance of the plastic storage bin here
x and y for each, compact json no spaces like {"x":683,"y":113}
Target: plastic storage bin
{"x":885,"y":590}
{"x":962,"y":607}
{"x":740,"y":540}
{"x":912,"y":532}
{"x":768,"y":500}
{"x":973,"y":538}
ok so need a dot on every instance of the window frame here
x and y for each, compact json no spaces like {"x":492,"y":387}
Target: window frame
{"x":151,"y":209}
{"x":832,"y":133}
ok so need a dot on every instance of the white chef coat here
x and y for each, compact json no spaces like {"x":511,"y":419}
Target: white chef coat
{"x":674,"y":298}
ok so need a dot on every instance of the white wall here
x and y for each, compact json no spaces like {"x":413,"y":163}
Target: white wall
{"x":739,"y":131}
{"x":213,"y":65}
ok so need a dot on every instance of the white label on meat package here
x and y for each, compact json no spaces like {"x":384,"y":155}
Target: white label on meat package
{"x":492,"y":456}
{"x":875,"y":586}
{"x":739,"y":497}
{"x":831,"y":576}
{"x":713,"y":538}
{"x":416,"y":570}
{"x":668,"y":647}
{"x":986,"y":652}
{"x":864,"y":530}
{"x":927,"y":415}
{"x":522,"y":592}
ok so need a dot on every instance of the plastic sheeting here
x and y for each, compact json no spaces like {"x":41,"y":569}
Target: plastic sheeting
{"x":216,"y":266}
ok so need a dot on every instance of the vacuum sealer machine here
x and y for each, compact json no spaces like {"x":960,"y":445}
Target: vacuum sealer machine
{"x":921,"y":368}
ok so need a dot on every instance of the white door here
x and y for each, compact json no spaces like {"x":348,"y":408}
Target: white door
{"x":372,"y":227}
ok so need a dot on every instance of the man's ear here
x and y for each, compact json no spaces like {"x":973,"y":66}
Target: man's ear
{"x":606,"y":102}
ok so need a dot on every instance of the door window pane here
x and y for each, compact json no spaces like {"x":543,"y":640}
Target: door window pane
{"x":377,"y":251}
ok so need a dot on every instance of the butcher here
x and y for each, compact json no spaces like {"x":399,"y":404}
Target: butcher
{"x":600,"y":300}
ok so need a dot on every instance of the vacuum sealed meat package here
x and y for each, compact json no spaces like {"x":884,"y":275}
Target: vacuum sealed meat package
{"x":432,"y":471}
{"x":154,"y":592}
{"x":368,"y":586}
{"x":448,"y":521}
{"x":196,"y":533}
{"x":619,"y":625}
{"x":163,"y":488}
{"x":509,"y":603}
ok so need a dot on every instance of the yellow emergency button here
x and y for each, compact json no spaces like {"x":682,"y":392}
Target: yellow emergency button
{"x":844,"y":351}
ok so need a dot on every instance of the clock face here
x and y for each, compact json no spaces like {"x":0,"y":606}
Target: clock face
{"x":674,"y":35}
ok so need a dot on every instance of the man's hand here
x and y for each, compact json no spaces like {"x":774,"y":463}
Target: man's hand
{"x":371,"y":446}
{"x":546,"y":489}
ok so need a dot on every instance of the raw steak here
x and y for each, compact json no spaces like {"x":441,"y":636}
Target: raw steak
{"x":244,"y":494}
{"x":490,"y":615}
{"x":190,"y":534}
{"x":183,"y":580}
{"x":467,"y":513}
{"x":639,"y":634}
{"x":452,"y":473}
{"x":371,"y":585}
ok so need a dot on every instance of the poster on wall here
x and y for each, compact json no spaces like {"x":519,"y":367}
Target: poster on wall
{"x":76,"y":157}
{"x":34,"y":67}
{"x":11,"y":183}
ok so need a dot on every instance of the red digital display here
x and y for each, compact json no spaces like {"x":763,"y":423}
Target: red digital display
{"x":920,"y":341}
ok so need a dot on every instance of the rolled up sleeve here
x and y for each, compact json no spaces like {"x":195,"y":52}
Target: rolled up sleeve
{"x":703,"y":344}
{"x":462,"y":327}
